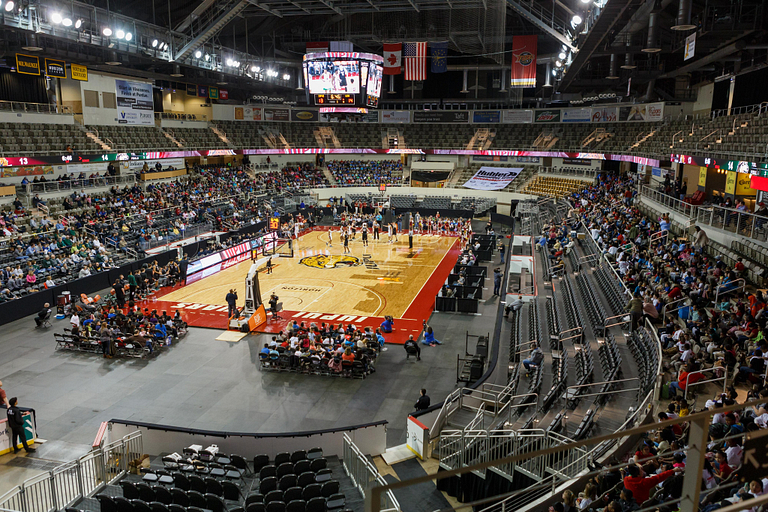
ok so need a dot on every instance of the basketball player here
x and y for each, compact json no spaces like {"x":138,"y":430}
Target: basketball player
{"x":375,"y":230}
{"x":269,"y":265}
{"x":329,"y":243}
{"x":346,"y":243}
{"x":394,"y":231}
{"x":389,"y":233}
{"x":296,"y":230}
{"x":365,"y":235}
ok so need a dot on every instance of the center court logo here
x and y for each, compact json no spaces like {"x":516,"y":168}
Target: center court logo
{"x":323,"y":261}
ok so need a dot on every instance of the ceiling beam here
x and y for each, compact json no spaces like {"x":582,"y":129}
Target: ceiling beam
{"x":528,"y":15}
{"x":199,"y":10}
{"x":413,"y":4}
{"x":261,"y":6}
{"x":330,"y":5}
{"x":213,"y":28}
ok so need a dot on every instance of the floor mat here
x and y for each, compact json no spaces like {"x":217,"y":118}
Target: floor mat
{"x":422,"y":497}
{"x":232,"y":336}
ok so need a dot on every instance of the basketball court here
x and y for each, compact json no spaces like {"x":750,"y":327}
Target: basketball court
{"x":321,"y":283}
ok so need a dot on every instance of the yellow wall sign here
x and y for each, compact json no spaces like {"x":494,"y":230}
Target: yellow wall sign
{"x":79,"y":72}
{"x":702,"y":176}
{"x":744,"y":185}
{"x":27,"y":64}
{"x":730,"y":182}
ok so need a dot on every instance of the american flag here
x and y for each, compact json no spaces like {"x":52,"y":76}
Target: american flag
{"x":415,"y":56}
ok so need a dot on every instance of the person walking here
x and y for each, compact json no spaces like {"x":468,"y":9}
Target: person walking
{"x":422,"y":403}
{"x":231,"y":299}
{"x":119,"y":292}
{"x":496,"y":281}
{"x":635,"y":308}
{"x":16,"y":422}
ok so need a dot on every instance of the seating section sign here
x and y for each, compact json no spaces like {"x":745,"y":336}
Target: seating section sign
{"x":134,"y":103}
{"x":493,"y":178}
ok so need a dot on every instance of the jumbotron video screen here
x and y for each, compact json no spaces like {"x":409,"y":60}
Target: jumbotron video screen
{"x":343,"y":78}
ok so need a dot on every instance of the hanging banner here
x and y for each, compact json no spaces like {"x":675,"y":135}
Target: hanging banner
{"x":523,"y":62}
{"x":202,"y":91}
{"x":223,"y":94}
{"x":27,"y":64}
{"x":56,"y":68}
{"x":702,"y":176}
{"x":134,"y":103}
{"x":79,"y":72}
{"x":690,"y":46}
{"x":654,"y":112}
{"x":730,"y":182}
{"x":547,"y":116}
{"x":744,"y":185}
{"x":191,"y":90}
{"x":486,"y":116}
{"x":493,"y":178}
{"x":395,"y":116}
{"x":517,"y":116}
{"x":576,"y":115}
{"x":605,"y":115}
{"x":213,"y":93}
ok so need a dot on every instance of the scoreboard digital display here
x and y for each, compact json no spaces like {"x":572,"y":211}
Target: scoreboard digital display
{"x":343,"y":78}
{"x":334,"y":99}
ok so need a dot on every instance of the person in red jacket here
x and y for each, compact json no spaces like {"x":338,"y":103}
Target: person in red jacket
{"x":640,"y":485}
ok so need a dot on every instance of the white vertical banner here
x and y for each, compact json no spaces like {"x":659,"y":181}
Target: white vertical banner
{"x":690,"y":46}
{"x":134,"y":103}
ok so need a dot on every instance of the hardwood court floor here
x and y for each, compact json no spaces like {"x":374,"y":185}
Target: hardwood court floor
{"x":382,"y":279}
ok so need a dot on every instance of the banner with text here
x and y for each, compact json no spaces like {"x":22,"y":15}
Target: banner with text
{"x":576,"y":115}
{"x":493,"y":178}
{"x":441,"y":116}
{"x":517,"y":116}
{"x":134,"y":103}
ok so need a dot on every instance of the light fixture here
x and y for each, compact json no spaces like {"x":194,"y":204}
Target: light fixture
{"x":198,"y":54}
{"x":256,"y":69}
{"x":67,"y":22}
{"x":562,"y":56}
{"x":107,"y":31}
{"x":176,"y":71}
{"x":576,"y":21}
{"x":120,"y":34}
{"x":32,"y":45}
{"x":554,"y":72}
{"x":207,"y":57}
{"x":112,"y":59}
{"x":78,"y":23}
{"x":56,"y":18}
{"x":286,"y":76}
{"x":222,"y":79}
{"x":154,"y":43}
{"x":558,"y":64}
{"x":228,"y":62}
{"x":128,"y":36}
{"x":9,"y":6}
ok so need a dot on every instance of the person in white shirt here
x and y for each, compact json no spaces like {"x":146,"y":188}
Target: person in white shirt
{"x":74,"y":320}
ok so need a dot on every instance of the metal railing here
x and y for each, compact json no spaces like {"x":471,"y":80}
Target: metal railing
{"x":672,"y":203}
{"x":364,"y":475}
{"x":730,"y":289}
{"x":34,"y":108}
{"x":188,"y":232}
{"x":58,"y":186}
{"x":67,"y":483}
{"x":724,"y":379}
{"x":746,"y":224}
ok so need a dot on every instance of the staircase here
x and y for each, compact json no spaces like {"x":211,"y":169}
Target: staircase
{"x":598,"y":136}
{"x":482,"y":139}
{"x":95,"y":138}
{"x":329,"y":176}
{"x":326,"y":137}
{"x":221,"y":135}
{"x":646,"y":137}
{"x":393,"y":139}
{"x":545,"y":140}
{"x":170,"y":137}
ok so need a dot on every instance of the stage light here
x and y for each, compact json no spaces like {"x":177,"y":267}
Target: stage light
{"x":562,"y":56}
{"x":576,"y":21}
{"x":554,"y":72}
{"x":286,"y":76}
{"x":228,"y":62}
{"x":154,"y":43}
{"x":128,"y":36}
{"x":66,"y":22}
{"x":56,"y":18}
{"x":207,"y":57}
{"x":9,"y":6}
{"x":558,"y":64}
{"x":78,"y":23}
{"x":107,"y":31}
{"x":255,"y":69}
{"x":120,"y":34}
{"x":198,"y":54}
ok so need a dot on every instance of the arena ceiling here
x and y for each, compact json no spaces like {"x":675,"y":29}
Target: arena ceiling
{"x":602,"y":46}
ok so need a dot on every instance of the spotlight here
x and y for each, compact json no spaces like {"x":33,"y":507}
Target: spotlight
{"x":78,"y":23}
{"x":558,"y":64}
{"x":154,"y":43}
{"x":163,"y":46}
{"x":256,"y":69}
{"x":198,"y":54}
{"x":228,"y":62}
{"x":9,"y":7}
{"x":56,"y":18}
{"x":107,"y":31}
{"x":286,"y":76}
{"x":207,"y":57}
{"x":120,"y":34}
{"x":66,"y":22}
{"x":576,"y":21}
{"x":562,"y":56}
{"x":128,"y":36}
{"x":554,"y":72}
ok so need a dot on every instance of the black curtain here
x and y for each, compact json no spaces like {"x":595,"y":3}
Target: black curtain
{"x":720,"y":95}
{"x":429,"y":176}
{"x":749,"y":88}
{"x":20,"y":87}
{"x":157,"y":99}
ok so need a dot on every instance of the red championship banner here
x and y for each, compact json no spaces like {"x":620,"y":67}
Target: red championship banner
{"x":393,"y":58}
{"x":523,"y":62}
